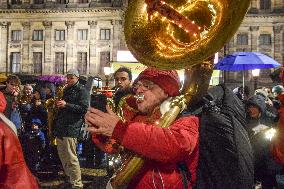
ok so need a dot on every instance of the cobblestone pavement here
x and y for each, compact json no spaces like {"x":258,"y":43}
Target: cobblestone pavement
{"x":92,"y":179}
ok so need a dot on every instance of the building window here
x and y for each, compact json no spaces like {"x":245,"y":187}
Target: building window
{"x":242,"y":39}
{"x":59,"y":63}
{"x":59,"y":35}
{"x":15,"y":62}
{"x":105,"y":34}
{"x":265,"y":39}
{"x":37,"y":62}
{"x":82,"y":34}
{"x":16,"y":2}
{"x":264,"y":4}
{"x":16,"y":35}
{"x":83,"y":1}
{"x":61,"y":1}
{"x":82,"y":62}
{"x":38,"y":35}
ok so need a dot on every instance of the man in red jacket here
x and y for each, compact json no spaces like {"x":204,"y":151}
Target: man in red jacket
{"x":14,"y":173}
{"x":162,"y":147}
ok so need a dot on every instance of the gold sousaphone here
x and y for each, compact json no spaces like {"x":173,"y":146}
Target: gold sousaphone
{"x":181,"y":34}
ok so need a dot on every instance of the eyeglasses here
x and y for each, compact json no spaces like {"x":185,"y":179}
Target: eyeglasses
{"x":144,"y":85}
{"x":71,"y":77}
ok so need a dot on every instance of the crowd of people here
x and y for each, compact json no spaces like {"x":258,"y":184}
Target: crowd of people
{"x":49,"y":119}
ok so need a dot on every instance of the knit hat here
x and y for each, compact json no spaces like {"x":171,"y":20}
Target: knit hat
{"x":73,"y":72}
{"x":278,"y":89}
{"x":168,"y":80}
{"x":36,"y":121}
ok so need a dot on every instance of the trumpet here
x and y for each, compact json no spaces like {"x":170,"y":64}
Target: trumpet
{"x":24,"y":99}
{"x":96,"y":90}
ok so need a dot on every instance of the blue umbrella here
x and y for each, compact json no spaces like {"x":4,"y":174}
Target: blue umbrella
{"x":240,"y":61}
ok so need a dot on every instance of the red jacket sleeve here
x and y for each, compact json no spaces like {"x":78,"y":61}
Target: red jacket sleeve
{"x":277,"y":146}
{"x":161,"y":144}
{"x":3,"y":102}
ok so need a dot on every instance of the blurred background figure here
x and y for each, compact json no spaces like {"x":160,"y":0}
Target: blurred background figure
{"x":278,"y":147}
{"x":11,"y":93}
{"x":270,"y":116}
{"x":123,"y":81}
{"x":25,"y":103}
{"x":34,"y":145}
{"x":265,"y":167}
{"x":242,"y":92}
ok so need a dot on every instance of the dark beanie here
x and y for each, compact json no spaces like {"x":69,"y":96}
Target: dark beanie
{"x":258,"y":101}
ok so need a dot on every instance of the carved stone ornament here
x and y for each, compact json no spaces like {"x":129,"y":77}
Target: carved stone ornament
{"x":26,"y":24}
{"x":92,"y":23}
{"x":47,"y":24}
{"x":253,"y":28}
{"x":69,"y":24}
{"x":4,"y":24}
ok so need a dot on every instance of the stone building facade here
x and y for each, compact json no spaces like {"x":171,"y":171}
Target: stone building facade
{"x":262,"y":30}
{"x":52,"y":36}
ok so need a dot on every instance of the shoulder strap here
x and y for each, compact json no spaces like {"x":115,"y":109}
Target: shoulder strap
{"x":185,"y":174}
{"x":8,"y":122}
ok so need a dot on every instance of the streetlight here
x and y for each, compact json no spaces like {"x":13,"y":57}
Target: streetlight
{"x":107,"y":72}
{"x":255,"y":74}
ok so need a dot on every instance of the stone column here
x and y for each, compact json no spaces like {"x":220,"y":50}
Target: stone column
{"x":278,"y":43}
{"x":115,"y":38}
{"x":254,"y":37}
{"x":4,"y":57}
{"x":72,"y":4}
{"x":94,"y":66}
{"x":48,"y":65}
{"x":49,"y":3}
{"x":70,"y":55}
{"x":27,"y":64}
{"x":93,"y":3}
{"x":26,"y":3}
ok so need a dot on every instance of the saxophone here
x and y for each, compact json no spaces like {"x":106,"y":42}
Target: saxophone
{"x":181,"y":34}
{"x":52,"y":111}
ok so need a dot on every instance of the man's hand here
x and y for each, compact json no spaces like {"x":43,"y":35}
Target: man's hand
{"x":16,"y":91}
{"x":60,"y":104}
{"x":100,"y":122}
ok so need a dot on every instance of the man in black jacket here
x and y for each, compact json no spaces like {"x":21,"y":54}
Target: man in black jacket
{"x":265,"y":168}
{"x":67,"y":124}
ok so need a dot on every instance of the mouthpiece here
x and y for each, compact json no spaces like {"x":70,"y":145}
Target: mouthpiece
{"x":139,"y":97}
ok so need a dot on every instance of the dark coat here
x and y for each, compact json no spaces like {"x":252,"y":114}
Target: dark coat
{"x":69,"y":119}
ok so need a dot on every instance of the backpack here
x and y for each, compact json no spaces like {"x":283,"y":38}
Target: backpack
{"x":225,"y":153}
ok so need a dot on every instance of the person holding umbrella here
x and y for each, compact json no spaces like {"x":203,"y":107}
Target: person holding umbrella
{"x":242,"y":61}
